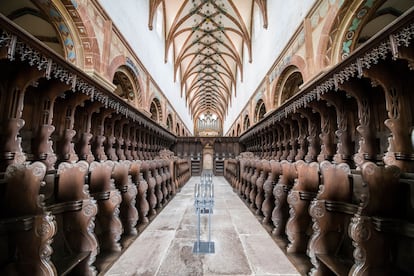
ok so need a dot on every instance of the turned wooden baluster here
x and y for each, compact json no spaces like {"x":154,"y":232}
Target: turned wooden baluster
{"x":152,"y":199}
{"x":108,"y":227}
{"x":142,"y":186}
{"x":250,"y":166}
{"x":119,"y":139}
{"x":314,"y":129}
{"x":367,"y":149}
{"x":327,"y":128}
{"x":128,"y":141}
{"x":256,"y":165}
{"x":142,"y":200}
{"x":345,"y":110}
{"x":12,"y":102}
{"x":169,"y":165}
{"x":259,"y":186}
{"x":164,"y":188}
{"x":301,"y":136}
{"x":280,"y":213}
{"x":274,"y":170}
{"x":134,"y":143}
{"x":83,"y":146}
{"x":64,"y":120}
{"x":158,"y":182}
{"x":303,"y":191}
{"x":110,"y":138}
{"x":45,"y":96}
{"x":99,"y":141}
{"x":243,"y":171}
{"x":284,"y":142}
{"x":123,"y":182}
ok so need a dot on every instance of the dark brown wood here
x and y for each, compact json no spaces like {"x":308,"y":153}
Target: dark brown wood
{"x":24,"y":225}
{"x":108,"y":227}
{"x":303,"y":192}
{"x":280,"y":213}
{"x":123,"y":182}
{"x":75,"y":213}
{"x":331,"y":213}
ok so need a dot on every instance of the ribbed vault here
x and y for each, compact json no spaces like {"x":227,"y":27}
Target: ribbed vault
{"x":208,"y":40}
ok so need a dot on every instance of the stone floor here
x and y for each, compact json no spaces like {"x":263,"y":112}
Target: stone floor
{"x":242,"y":245}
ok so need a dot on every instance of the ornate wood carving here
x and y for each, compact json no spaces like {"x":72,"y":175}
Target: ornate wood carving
{"x":280,"y":213}
{"x":108,"y":226}
{"x":373,"y":248}
{"x":26,"y":228}
{"x":330,"y":213}
{"x":299,"y":198}
{"x":123,"y":182}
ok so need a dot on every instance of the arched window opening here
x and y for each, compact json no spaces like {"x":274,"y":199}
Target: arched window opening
{"x":34,"y":20}
{"x":291,"y":86}
{"x":177,"y":129}
{"x":384,"y":15}
{"x":260,"y":110}
{"x":169,"y":122}
{"x":246,"y":122}
{"x":127,"y":86}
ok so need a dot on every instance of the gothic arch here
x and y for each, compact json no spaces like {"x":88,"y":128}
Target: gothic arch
{"x":238,"y":130}
{"x":169,"y":122}
{"x":127,"y":85}
{"x":155,"y":110}
{"x":50,"y":23}
{"x":362,"y":21}
{"x":287,"y":85}
{"x":177,"y":129}
{"x":259,"y":111}
{"x":324,"y":48}
{"x":246,"y":122}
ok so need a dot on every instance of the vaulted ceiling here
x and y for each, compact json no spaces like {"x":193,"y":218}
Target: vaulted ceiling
{"x":209,"y":40}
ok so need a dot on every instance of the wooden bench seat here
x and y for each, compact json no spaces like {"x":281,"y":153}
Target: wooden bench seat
{"x":26,"y":229}
{"x":330,"y":248}
{"x":74,"y":246}
{"x":383,"y":228}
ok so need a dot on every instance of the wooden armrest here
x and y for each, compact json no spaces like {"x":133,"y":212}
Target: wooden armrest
{"x":308,"y":196}
{"x":394,"y":226}
{"x":341,"y":207}
{"x":340,"y":266}
{"x":101,"y":195}
{"x":24,"y":223}
{"x":67,"y":263}
{"x":63,"y":207}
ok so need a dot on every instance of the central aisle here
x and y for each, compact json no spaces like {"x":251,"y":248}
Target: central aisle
{"x":242,"y":246}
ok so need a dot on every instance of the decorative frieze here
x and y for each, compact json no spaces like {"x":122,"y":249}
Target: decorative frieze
{"x":402,"y":38}
{"x":16,"y":48}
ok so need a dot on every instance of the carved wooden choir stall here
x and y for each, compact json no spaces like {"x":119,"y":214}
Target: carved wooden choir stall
{"x":342,"y":200}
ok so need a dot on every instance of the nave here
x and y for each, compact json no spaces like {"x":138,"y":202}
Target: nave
{"x":242,"y":245}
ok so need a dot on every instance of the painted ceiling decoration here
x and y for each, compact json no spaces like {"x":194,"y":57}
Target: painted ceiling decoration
{"x":208,"y":40}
